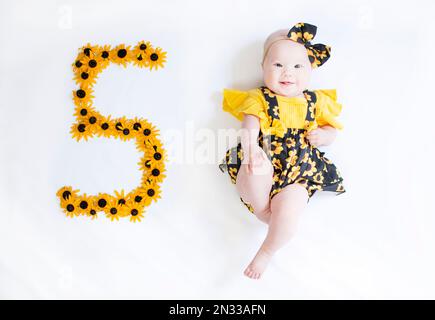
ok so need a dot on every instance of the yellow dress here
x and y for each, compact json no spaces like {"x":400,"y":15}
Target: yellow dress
{"x":284,"y":123}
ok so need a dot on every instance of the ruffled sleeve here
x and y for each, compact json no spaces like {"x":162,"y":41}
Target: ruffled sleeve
{"x":239,"y":102}
{"x":251,"y":102}
{"x":327,"y":108}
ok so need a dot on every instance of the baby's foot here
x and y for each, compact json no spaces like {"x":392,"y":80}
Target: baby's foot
{"x":258,"y":264}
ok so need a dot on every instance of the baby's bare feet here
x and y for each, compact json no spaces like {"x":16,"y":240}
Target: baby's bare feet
{"x":258,"y":264}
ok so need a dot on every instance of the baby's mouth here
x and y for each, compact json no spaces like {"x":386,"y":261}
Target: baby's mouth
{"x":286,"y":83}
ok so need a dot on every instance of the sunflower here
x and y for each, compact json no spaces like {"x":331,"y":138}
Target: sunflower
{"x":121,"y":199}
{"x":138,"y":123}
{"x":152,"y":191}
{"x":125,"y":129}
{"x":311,"y":169}
{"x":113,"y":209}
{"x":93,"y":65}
{"x":81,"y":131}
{"x":89,"y":50}
{"x":120,"y":55}
{"x":78,"y":65}
{"x":83,"y":95}
{"x":276,"y":147}
{"x":103,"y":56}
{"x":66,"y":193}
{"x":82,"y":110}
{"x":70,"y":207}
{"x":156,"y":173}
{"x":135,"y":211}
{"x":158,"y":156}
{"x":290,"y":142}
{"x":157,"y":58}
{"x":91,"y":121}
{"x":84,"y":202}
{"x":102,"y":200}
{"x":144,"y":47}
{"x":106,"y":127}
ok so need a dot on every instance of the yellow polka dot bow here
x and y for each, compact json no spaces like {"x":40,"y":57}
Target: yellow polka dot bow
{"x":303,"y":33}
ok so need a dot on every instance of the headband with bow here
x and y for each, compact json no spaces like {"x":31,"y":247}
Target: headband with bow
{"x":303,"y":33}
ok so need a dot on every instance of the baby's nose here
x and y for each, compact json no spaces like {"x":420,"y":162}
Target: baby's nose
{"x":288,"y":72}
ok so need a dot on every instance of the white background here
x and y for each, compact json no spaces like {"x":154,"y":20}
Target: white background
{"x":375,"y":241}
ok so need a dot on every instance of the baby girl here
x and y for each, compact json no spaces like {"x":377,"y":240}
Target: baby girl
{"x":277,"y":167}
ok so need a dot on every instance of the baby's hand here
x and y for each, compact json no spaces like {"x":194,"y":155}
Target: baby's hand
{"x":322,"y":136}
{"x":257,"y":160}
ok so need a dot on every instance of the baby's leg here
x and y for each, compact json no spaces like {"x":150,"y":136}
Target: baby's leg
{"x":254,"y":188}
{"x":286,"y":207}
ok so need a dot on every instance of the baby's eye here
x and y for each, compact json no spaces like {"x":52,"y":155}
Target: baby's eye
{"x":297,"y":66}
{"x":279,"y":65}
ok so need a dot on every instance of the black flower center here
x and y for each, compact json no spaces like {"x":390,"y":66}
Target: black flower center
{"x":121,"y":201}
{"x":134,"y":212}
{"x":147,"y":132}
{"x":138,"y":198}
{"x":125,"y":132}
{"x":87,"y":51}
{"x":143,"y":46}
{"x":78,"y":64}
{"x":155,"y":172}
{"x":137,"y":126}
{"x":92,"y":120}
{"x":92,"y":63}
{"x":157,"y":155}
{"x":70,"y":208}
{"x":105,"y":54}
{"x":105,"y":126}
{"x":66,"y":194}
{"x":93,"y":212}
{"x":139,"y":57}
{"x":81,"y":93}
{"x":113,"y":210}
{"x":154,"y":57}
{"x":151,"y":192}
{"x":102,"y":203}
{"x":118,"y":126}
{"x":83,"y":112}
{"x":122,"y":53}
{"x":81,"y":127}
{"x":83,"y":204}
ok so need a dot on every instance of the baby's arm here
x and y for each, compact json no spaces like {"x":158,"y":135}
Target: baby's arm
{"x":322,"y":136}
{"x":254,"y":156}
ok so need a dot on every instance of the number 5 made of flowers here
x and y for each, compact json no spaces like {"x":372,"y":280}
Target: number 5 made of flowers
{"x":90,"y":61}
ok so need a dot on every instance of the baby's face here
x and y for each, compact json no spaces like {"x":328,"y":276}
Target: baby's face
{"x":287,"y":69}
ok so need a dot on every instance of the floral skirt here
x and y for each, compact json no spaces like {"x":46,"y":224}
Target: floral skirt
{"x":294,"y":160}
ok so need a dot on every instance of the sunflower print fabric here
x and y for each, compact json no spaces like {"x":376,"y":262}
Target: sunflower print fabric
{"x":303,"y":33}
{"x":293,"y":158}
{"x":90,"y":62}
